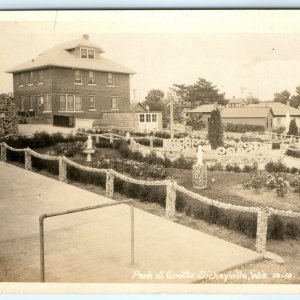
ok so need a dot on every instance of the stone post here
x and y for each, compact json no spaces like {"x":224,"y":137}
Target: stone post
{"x":3,"y":153}
{"x":111,"y":138}
{"x":62,"y":170}
{"x":151,"y":141}
{"x":28,"y":164}
{"x":199,"y":178}
{"x":97,"y":139}
{"x":171,"y":199}
{"x":262,"y":228}
{"x":109,"y":191}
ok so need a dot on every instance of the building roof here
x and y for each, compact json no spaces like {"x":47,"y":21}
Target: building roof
{"x":279,"y":109}
{"x":59,"y":56}
{"x":246,"y":112}
{"x":134,"y":106}
{"x":236,"y":100}
{"x":206,"y":108}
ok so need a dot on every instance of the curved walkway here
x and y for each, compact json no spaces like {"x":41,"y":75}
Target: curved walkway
{"x":94,"y":246}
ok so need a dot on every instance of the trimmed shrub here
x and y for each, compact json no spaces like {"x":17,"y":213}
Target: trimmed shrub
{"x":215,"y":129}
{"x":15,"y":156}
{"x":275,"y":166}
{"x":275,"y":228}
{"x":242,"y":128}
{"x":51,"y":166}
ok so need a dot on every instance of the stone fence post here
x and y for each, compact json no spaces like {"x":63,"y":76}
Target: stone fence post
{"x":3,"y":153}
{"x":111,"y":138}
{"x":151,"y":141}
{"x":97,"y":139}
{"x":171,"y":199}
{"x":62,"y":169}
{"x":262,"y":228}
{"x":109,"y":187}
{"x":28,"y":163}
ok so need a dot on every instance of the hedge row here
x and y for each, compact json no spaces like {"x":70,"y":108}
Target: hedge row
{"x":41,"y":140}
{"x":242,"y":128}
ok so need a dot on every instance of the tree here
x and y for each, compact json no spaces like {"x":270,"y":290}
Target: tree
{"x":282,"y":97}
{"x":215,"y":129}
{"x":293,"y":129}
{"x":201,"y":92}
{"x":154,"y":100}
{"x":295,"y":99}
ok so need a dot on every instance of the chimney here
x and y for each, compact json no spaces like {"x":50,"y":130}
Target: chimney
{"x":288,"y":103}
{"x":85,"y":36}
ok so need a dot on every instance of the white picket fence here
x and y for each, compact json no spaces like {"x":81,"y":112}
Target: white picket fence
{"x":263,"y":213}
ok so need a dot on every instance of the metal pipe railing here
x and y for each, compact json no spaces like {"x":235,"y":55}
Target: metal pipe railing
{"x":71,"y":211}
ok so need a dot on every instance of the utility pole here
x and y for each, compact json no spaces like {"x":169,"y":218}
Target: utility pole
{"x":171,"y":104}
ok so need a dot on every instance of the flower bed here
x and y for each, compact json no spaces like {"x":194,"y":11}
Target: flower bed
{"x":67,"y":149}
{"x":135,"y":169}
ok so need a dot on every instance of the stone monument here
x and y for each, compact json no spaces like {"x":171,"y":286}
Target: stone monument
{"x":89,"y":150}
{"x":199,"y":171}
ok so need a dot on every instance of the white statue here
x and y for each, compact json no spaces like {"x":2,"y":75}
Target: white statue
{"x":89,"y":148}
{"x":89,"y":143}
{"x":200,"y":155}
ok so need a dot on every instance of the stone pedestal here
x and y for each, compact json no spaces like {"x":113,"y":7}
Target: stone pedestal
{"x":89,"y":153}
{"x":199,"y":174}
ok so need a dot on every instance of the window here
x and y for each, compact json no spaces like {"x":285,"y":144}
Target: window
{"x":47,"y":103}
{"x":91,"y":77}
{"x":91,"y":54}
{"x":62,"y":102}
{"x":114,"y":103}
{"x":92,"y":102}
{"x":40,"y":76}
{"x":148,"y":117}
{"x":70,"y":102}
{"x":78,"y":103}
{"x":78,"y":76}
{"x":110,"y":79}
{"x":31,"y":77}
{"x":22,"y":107}
{"x":154,"y":118}
{"x":30,"y":102}
{"x":21,"y":78}
{"x":83,"y":53}
{"x":142,"y":118}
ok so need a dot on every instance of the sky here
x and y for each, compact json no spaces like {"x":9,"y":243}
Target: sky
{"x":241,"y":52}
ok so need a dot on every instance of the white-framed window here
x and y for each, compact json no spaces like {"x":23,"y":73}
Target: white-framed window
{"x":91,"y":54}
{"x":92,"y":102}
{"x":78,"y":76}
{"x":21,"y":78}
{"x":78,"y":102}
{"x":142,"y":118}
{"x":83,"y":53}
{"x":41,"y":76}
{"x":87,"y":53}
{"x":70,"y":103}
{"x":30,"y":102}
{"x":92,"y":77}
{"x":154,"y":117}
{"x":110,"y":79}
{"x":114,"y":103}
{"x":148,"y":117}
{"x":22,"y":103}
{"x":31,"y":75}
{"x":47,"y":103}
{"x":62,"y":102}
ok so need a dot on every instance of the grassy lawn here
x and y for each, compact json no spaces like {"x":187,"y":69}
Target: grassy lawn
{"x":227,"y":187}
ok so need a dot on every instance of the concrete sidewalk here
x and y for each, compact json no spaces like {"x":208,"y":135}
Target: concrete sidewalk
{"x":94,"y":246}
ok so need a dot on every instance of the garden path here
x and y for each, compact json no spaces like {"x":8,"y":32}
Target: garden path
{"x":94,"y":246}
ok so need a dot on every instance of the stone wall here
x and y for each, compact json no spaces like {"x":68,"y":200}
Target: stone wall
{"x":8,"y":116}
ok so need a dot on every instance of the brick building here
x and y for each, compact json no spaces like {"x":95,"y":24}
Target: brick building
{"x":72,"y":78}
